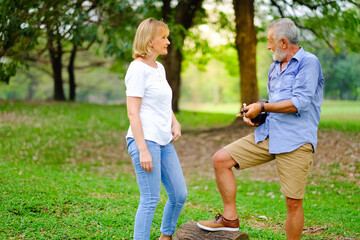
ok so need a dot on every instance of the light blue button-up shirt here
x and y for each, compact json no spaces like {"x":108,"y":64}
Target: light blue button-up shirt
{"x":301,"y":81}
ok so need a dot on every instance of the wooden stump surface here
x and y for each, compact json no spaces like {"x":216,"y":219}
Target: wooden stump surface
{"x":190,"y":231}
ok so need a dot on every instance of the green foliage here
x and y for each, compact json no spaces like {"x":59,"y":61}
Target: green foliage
{"x":110,"y":27}
{"x":341,"y":73}
{"x":216,"y":76}
{"x":18,"y":34}
{"x":7,"y":70}
{"x":119,"y":26}
{"x":214,"y":85}
{"x":351,"y":22}
{"x":95,"y":85}
{"x":338,"y":25}
{"x":197,"y":51}
{"x":64,"y":24}
{"x":228,"y":55}
{"x":332,"y":23}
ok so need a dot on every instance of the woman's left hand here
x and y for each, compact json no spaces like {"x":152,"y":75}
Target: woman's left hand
{"x":176,"y":131}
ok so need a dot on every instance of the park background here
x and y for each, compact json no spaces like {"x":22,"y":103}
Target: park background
{"x":65,"y":171}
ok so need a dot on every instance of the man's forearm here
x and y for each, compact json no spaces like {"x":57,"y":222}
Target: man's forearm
{"x":280,"y":107}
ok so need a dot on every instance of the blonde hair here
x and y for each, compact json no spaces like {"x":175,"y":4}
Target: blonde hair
{"x":145,"y":32}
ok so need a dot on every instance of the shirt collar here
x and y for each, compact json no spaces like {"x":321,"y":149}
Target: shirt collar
{"x":299,"y":54}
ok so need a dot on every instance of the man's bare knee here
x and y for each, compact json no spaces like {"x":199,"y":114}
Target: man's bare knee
{"x":221,"y":159}
{"x":293,"y":204}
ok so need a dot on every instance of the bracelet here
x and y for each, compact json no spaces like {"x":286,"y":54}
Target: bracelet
{"x":262,"y":107}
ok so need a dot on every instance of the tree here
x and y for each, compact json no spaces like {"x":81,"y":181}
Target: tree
{"x":341,"y":72}
{"x":316,"y":19}
{"x":181,"y":18}
{"x":19,"y":30}
{"x":62,"y":23}
{"x":179,"y":15}
{"x":246,"y":47}
{"x":67,"y":26}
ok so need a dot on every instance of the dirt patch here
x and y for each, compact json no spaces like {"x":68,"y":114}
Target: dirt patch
{"x":195,"y":150}
{"x":336,"y":150}
{"x":339,"y":150}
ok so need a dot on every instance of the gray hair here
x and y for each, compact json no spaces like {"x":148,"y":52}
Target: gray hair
{"x":285,"y":28}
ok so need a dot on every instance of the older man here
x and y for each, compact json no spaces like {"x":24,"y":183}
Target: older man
{"x":289,"y":134}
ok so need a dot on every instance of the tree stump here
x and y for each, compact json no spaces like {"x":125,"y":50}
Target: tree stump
{"x":190,"y":231}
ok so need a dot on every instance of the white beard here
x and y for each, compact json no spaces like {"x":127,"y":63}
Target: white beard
{"x":279,"y":55}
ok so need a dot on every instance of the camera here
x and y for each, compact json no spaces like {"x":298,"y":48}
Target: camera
{"x":259,"y":119}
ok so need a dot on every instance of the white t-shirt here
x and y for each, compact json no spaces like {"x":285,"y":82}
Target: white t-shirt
{"x":151,"y":85}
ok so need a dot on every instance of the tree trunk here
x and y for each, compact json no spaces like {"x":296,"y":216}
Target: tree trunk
{"x":172,"y":64}
{"x":184,"y":14}
{"x":32,"y":83}
{"x":190,"y":231}
{"x":56,"y":64}
{"x":246,"y":48}
{"x":72,"y":85}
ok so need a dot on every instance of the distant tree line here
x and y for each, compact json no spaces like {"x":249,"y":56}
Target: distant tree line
{"x":44,"y":32}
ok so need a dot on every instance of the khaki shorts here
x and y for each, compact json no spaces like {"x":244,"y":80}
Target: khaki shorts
{"x":292,"y":167}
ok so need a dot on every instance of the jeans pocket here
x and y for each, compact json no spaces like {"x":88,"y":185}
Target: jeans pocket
{"x":131,"y":147}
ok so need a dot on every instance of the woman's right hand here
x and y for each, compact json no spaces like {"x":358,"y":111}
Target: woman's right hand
{"x":146,"y":160}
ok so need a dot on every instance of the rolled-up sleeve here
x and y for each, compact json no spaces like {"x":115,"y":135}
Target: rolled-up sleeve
{"x":305,"y":83}
{"x":301,"y":81}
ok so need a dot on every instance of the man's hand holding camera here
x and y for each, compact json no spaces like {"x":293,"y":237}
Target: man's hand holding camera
{"x":249,"y":112}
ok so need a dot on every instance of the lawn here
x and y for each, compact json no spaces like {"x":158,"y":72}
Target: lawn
{"x":65,"y":174}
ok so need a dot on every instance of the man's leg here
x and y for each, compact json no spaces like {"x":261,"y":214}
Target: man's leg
{"x":293,"y":169}
{"x":295,"y":218}
{"x":241,"y":154}
{"x":226,"y":182}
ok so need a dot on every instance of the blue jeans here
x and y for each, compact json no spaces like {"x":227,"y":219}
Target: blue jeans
{"x":166,"y":169}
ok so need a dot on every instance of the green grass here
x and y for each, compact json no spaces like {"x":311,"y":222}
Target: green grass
{"x":62,"y":176}
{"x":340,"y":115}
